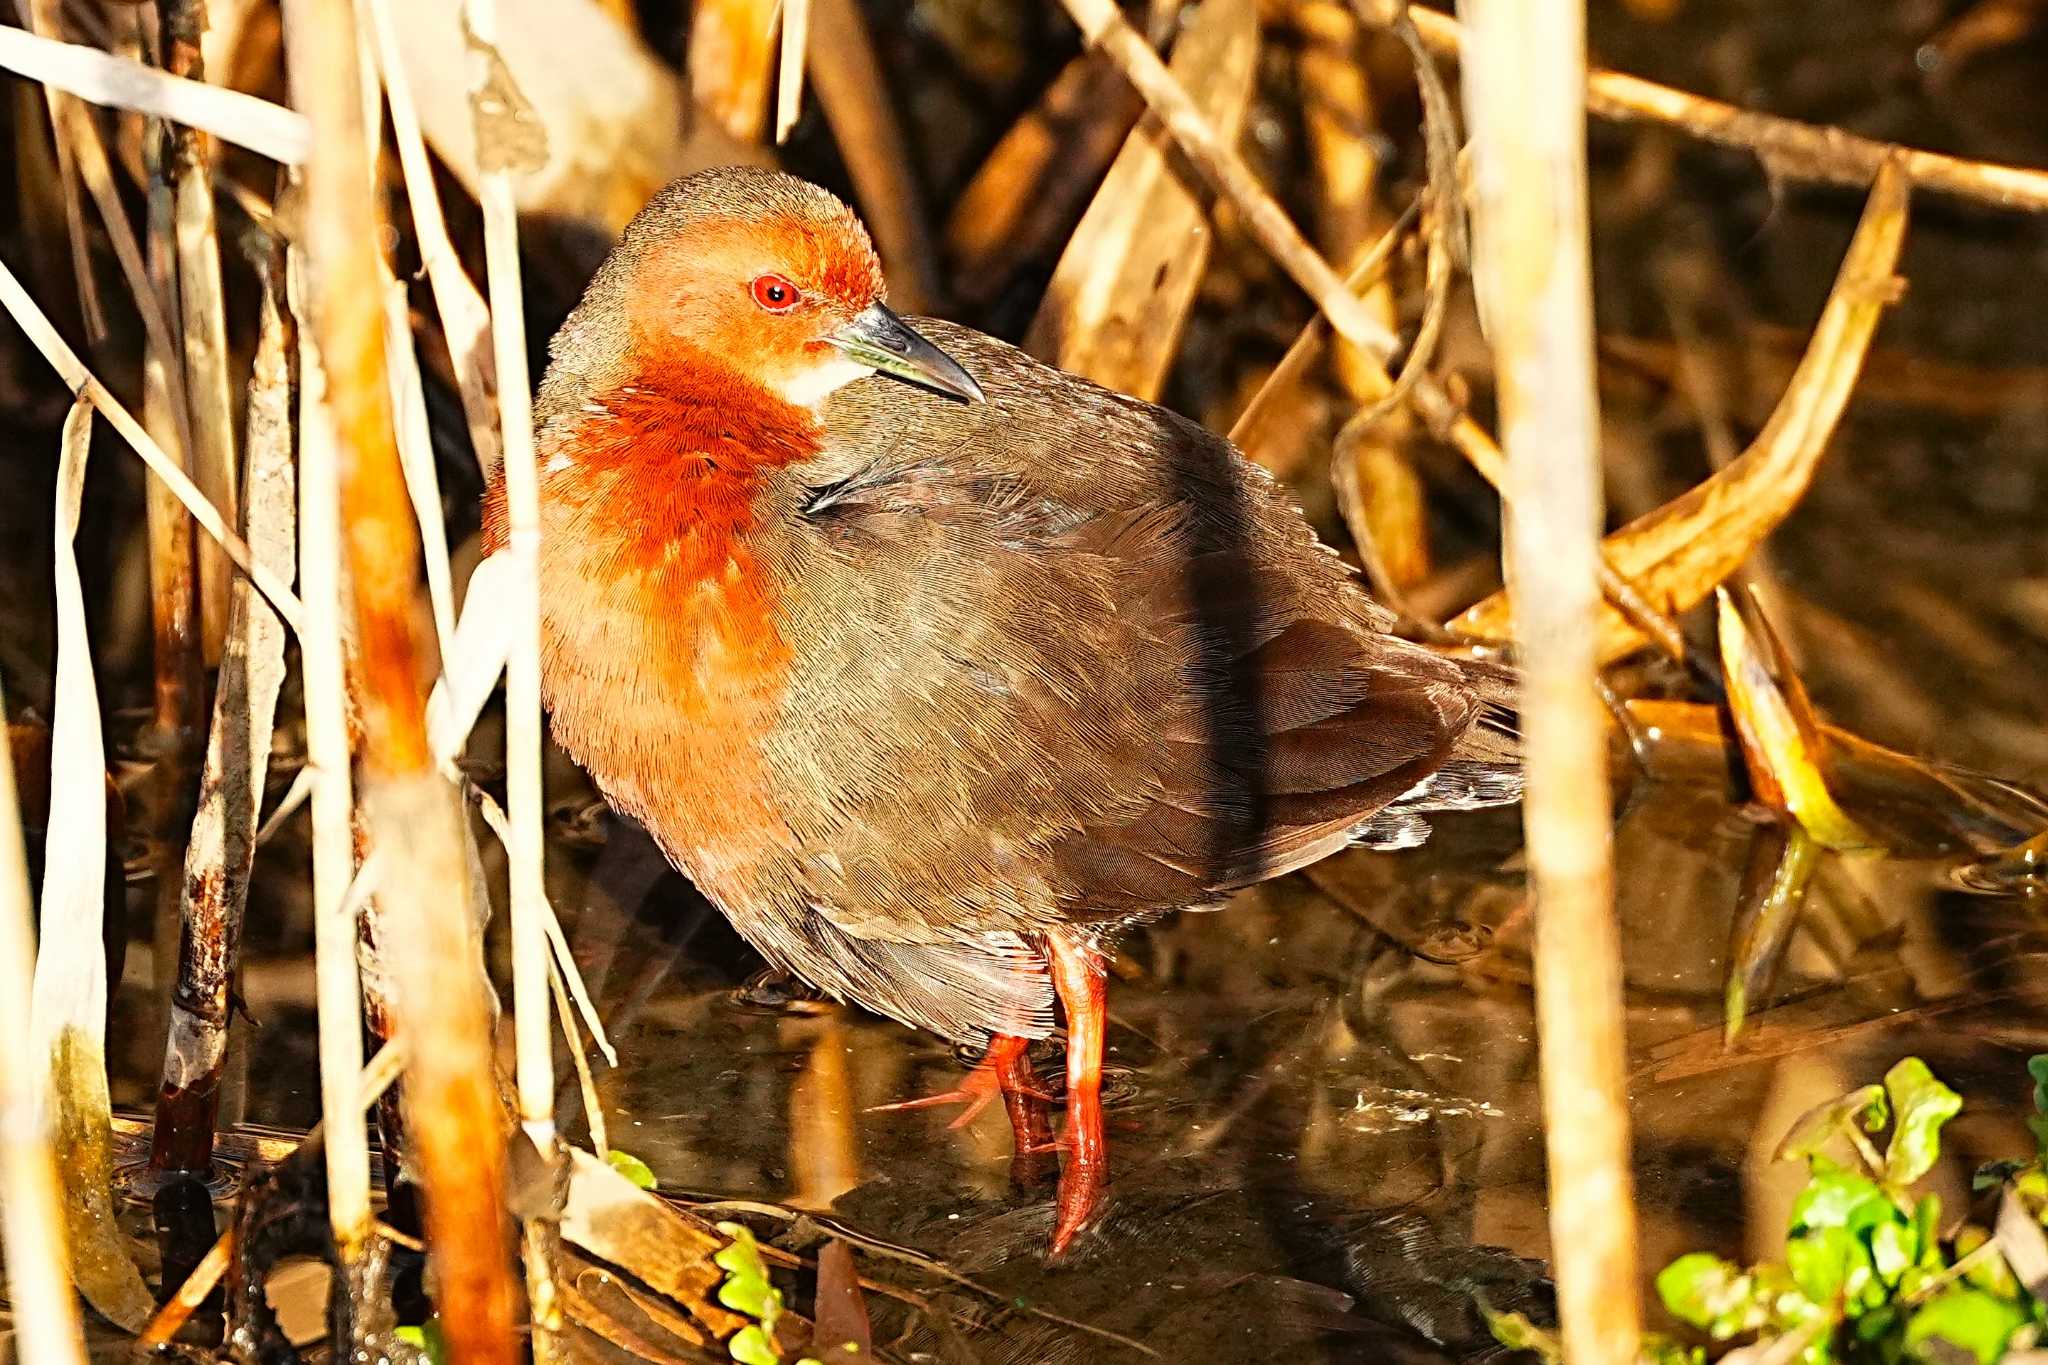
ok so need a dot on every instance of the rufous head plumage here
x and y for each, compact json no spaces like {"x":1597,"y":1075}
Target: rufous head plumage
{"x":774,"y":278}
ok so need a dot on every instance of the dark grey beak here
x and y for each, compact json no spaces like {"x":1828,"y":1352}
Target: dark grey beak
{"x":881,"y":339}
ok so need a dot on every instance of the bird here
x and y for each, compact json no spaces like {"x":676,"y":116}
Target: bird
{"x":937,"y":668}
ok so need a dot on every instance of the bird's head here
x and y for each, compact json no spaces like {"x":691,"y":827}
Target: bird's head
{"x":774,"y":278}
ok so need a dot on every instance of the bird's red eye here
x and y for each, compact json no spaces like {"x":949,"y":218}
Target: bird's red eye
{"x":775,"y":294}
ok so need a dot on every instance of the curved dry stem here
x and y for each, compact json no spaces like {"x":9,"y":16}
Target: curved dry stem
{"x":1680,"y":552}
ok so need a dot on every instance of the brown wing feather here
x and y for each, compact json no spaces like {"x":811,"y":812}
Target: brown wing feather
{"x":1066,"y":657}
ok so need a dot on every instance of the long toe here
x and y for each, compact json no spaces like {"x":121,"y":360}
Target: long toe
{"x":1082,"y":1189}
{"x":971,"y":1097}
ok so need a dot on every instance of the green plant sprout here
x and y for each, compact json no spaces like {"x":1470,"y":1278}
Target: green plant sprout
{"x":746,"y":1290}
{"x":1868,"y":1275}
{"x":631,"y":1167}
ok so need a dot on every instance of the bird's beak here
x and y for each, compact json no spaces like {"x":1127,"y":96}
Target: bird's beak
{"x":880,"y":339}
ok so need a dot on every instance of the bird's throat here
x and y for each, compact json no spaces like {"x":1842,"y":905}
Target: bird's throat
{"x":661,"y":650}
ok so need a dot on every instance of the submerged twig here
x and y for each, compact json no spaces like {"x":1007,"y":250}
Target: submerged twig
{"x":1781,"y":863}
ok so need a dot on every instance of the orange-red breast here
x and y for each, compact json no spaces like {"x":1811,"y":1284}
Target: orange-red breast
{"x":933,"y":686}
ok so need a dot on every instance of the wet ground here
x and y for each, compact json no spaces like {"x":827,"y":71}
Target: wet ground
{"x":1323,"y":1107}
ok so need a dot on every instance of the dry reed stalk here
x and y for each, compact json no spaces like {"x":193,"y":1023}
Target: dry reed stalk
{"x":1268,"y":223}
{"x":850,"y":83}
{"x":465,"y":321}
{"x":503,"y":151}
{"x":45,"y":1315}
{"x":731,"y":53}
{"x":416,"y":457}
{"x":75,"y":130}
{"x":222,"y":849}
{"x":1789,"y":149}
{"x":430,"y":942}
{"x":1677,"y":553}
{"x":203,"y":318}
{"x":68,"y":1001}
{"x":1379,"y":492}
{"x":1023,"y":201}
{"x":178,"y":656}
{"x":789,"y":72}
{"x":120,"y":82}
{"x":408,"y":393}
{"x":35,"y":324}
{"x":47,"y":167}
{"x":1121,"y":294}
{"x":593,"y":1107}
{"x":565,"y":960}
{"x":1524,"y":100}
{"x":323,"y":671}
{"x":623,"y":124}
{"x":1106,"y":29}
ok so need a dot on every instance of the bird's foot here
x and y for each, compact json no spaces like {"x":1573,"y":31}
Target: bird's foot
{"x":1083,"y":1184}
{"x":1004,"y":1070}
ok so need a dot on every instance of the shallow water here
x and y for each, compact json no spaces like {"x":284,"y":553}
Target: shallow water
{"x":1323,"y":1100}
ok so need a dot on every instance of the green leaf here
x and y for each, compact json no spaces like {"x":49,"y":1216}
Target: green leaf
{"x":2037,"y":1067}
{"x":1969,"y":1319}
{"x":1823,"y":1123}
{"x":426,"y":1339}
{"x":1992,"y":1175}
{"x":1711,"y":1293}
{"x":1922,"y":1105}
{"x":1517,"y":1333}
{"x":1833,"y":1268}
{"x":2037,"y":1124}
{"x":1877,"y":1324}
{"x":751,"y":1346}
{"x":631,"y":1167}
{"x":1894,"y":1249}
{"x":1662,"y":1350}
{"x":1927,"y":1224}
{"x":746,"y":1288}
{"x":1839,"y":1198}
{"x":1820,"y":1262}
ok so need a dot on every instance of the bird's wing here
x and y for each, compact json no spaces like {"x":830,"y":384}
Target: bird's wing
{"x":1064,"y":657}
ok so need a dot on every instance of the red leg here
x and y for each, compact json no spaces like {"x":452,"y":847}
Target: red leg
{"x":1078,"y":975}
{"x":1030,"y":1130}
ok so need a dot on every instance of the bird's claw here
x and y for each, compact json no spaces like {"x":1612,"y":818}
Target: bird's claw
{"x":975,"y":1098}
